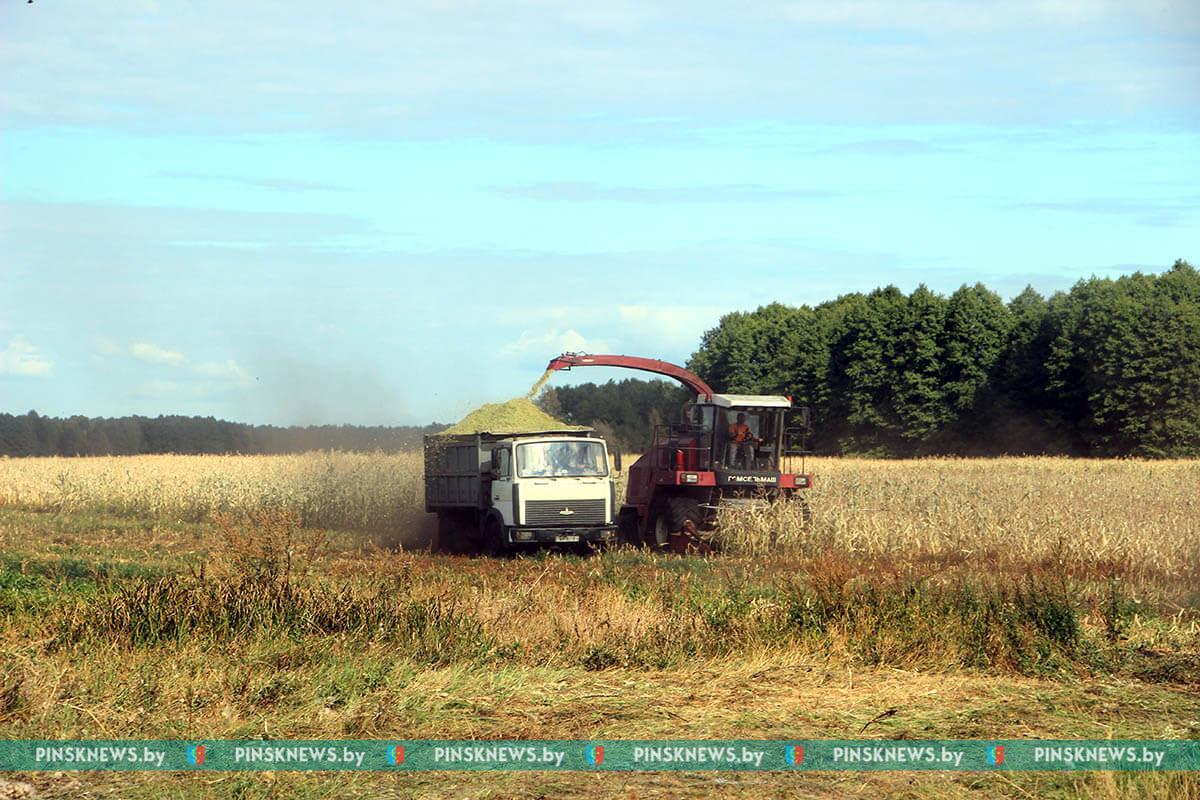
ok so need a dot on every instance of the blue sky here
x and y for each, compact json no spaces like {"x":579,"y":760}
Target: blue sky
{"x":389,"y":213}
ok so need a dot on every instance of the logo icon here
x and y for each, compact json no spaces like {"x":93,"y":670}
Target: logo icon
{"x":595,"y":755}
{"x":795,"y":755}
{"x":195,"y":755}
{"x":566,"y":512}
{"x":996,"y":755}
{"x":396,"y":755}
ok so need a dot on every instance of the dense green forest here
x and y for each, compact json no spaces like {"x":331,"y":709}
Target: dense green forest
{"x":34,"y":435}
{"x":1109,"y":368}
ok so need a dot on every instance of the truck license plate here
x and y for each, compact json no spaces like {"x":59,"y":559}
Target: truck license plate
{"x":567,"y":537}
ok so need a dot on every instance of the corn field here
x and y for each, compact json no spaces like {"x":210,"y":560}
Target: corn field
{"x":351,"y":491}
{"x":1141,"y":515}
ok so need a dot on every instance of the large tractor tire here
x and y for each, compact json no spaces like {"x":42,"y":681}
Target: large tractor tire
{"x":675,"y":515}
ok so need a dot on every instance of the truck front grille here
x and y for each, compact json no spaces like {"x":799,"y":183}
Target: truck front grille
{"x":550,"y":512}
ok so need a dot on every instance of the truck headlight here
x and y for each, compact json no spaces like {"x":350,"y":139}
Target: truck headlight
{"x":522,"y":536}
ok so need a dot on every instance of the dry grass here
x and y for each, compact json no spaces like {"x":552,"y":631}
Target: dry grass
{"x":1139,"y":516}
{"x":1007,"y":598}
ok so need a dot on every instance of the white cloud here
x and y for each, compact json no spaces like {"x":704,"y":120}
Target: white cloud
{"x":226,"y":370}
{"x":273,"y":65}
{"x":22,"y":358}
{"x":152,"y":353}
{"x":553,"y":342}
{"x":673,"y":326}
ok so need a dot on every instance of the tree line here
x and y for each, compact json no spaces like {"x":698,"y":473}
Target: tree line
{"x":34,"y":435}
{"x":624,"y":412}
{"x":1109,"y":368}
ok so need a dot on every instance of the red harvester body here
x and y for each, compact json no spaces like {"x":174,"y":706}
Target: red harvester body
{"x":725,"y":450}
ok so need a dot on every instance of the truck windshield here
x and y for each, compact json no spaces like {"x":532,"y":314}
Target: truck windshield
{"x":561,"y":459}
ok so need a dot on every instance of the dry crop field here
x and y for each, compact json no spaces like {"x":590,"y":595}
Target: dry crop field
{"x":288,"y":597}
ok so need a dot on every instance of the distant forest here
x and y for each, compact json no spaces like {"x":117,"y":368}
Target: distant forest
{"x":1109,"y":368}
{"x":34,"y":435}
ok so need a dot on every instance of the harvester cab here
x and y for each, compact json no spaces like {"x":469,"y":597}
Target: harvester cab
{"x":725,"y":450}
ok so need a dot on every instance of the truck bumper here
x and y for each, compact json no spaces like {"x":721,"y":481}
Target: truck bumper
{"x":600,"y":535}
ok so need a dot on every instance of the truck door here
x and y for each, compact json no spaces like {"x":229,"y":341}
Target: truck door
{"x":502,"y":484}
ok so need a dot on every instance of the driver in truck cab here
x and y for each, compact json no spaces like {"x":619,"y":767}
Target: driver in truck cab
{"x":571,"y":458}
{"x":741,"y":442}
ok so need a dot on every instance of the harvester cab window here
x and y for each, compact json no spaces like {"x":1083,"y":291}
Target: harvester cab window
{"x":741,"y":431}
{"x":698,"y":417}
{"x":765,"y":451}
{"x":749,"y":439}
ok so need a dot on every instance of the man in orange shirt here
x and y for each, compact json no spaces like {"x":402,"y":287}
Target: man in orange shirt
{"x":741,"y":441}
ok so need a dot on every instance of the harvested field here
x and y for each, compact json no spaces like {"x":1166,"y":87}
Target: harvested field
{"x":177,"y":597}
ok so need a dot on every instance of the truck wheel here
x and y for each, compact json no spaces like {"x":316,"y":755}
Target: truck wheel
{"x":448,"y":538}
{"x":493,"y":537}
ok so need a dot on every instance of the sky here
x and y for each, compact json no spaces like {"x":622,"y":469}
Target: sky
{"x":390,"y":213}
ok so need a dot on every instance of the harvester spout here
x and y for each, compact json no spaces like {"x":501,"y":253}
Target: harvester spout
{"x":688,"y":378}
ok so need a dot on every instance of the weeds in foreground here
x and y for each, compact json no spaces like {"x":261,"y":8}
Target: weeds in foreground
{"x":572,"y":615}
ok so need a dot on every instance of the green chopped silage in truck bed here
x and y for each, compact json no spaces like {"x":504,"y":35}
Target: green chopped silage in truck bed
{"x":515,"y":416}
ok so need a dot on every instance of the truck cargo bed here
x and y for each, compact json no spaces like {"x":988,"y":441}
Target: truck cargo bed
{"x":456,"y":466}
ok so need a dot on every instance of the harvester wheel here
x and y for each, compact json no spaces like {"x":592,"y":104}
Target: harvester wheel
{"x":677,"y":515}
{"x":658,"y":536}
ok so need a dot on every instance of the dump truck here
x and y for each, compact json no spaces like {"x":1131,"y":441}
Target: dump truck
{"x":725,"y":451}
{"x":498,"y":492}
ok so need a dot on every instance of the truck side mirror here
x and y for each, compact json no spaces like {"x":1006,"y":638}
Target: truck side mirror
{"x":617,"y":461}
